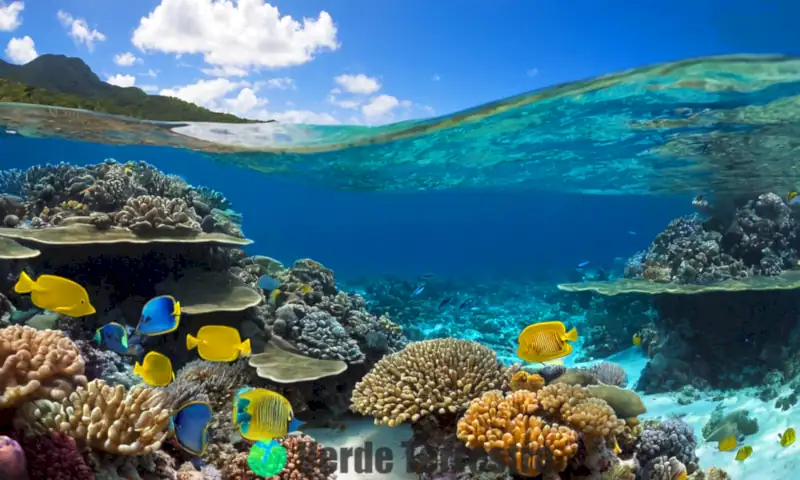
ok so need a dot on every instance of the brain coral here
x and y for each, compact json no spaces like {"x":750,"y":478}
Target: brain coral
{"x":536,"y":432}
{"x":431,"y":377}
{"x":37,"y":364}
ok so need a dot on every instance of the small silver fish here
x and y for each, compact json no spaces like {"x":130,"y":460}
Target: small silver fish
{"x":418,"y":290}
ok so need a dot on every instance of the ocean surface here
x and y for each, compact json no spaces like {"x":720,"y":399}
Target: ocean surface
{"x":492,"y":201}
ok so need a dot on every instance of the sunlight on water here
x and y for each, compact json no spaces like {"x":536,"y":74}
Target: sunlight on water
{"x":711,"y":124}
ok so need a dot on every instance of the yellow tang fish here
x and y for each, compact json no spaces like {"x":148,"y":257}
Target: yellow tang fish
{"x":744,"y":453}
{"x":218,"y":343}
{"x":791,"y":196}
{"x":727,"y":444}
{"x":545,"y":341}
{"x":680,"y":476}
{"x":57,"y":294}
{"x":787,"y":438}
{"x":262,"y":414}
{"x":637,"y":339}
{"x":155,"y":370}
{"x":306,"y":289}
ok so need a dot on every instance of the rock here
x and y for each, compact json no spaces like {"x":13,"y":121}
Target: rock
{"x":11,"y":221}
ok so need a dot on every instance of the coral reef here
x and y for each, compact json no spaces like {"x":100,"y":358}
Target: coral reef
{"x":146,"y":214}
{"x":433,"y":377}
{"x":55,"y":456}
{"x":671,"y":438}
{"x":13,"y":459}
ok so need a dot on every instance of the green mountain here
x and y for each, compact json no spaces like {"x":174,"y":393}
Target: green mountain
{"x":64,"y":81}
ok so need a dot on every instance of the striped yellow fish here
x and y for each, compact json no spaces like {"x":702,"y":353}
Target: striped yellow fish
{"x":744,"y":453}
{"x":727,"y":444}
{"x":788,"y":437}
{"x":542,"y":342}
{"x":262,"y":414}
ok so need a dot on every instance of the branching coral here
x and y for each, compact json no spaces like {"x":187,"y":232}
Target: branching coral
{"x":147,"y":213}
{"x":537,"y":432}
{"x":37,"y":364}
{"x":115,"y":421}
{"x":670,"y":438}
{"x":428,"y":378}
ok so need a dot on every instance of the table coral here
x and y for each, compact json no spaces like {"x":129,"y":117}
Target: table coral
{"x":37,"y":364}
{"x":115,"y":421}
{"x":428,"y":378}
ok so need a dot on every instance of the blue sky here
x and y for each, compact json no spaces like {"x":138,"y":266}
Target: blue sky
{"x":373,"y":62}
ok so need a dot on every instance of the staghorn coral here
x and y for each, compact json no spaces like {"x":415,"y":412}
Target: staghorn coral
{"x":115,"y":421}
{"x":428,"y":378}
{"x":13,"y":462}
{"x":609,"y":373}
{"x":526,"y":381}
{"x":55,"y":456}
{"x":37,"y":364}
{"x":147,"y":213}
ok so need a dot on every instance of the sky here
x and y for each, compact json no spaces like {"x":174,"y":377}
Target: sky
{"x":369,"y":62}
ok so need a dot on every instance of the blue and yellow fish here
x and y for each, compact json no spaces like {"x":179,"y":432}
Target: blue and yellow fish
{"x":268,"y":283}
{"x":159,"y":316}
{"x":267,"y":459}
{"x":190,"y":426}
{"x":542,"y":342}
{"x":57,"y":294}
{"x":115,"y":337}
{"x":262,"y":414}
{"x":155,"y":370}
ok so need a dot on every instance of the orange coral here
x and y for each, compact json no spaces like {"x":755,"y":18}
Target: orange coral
{"x":526,"y":381}
{"x":37,"y":364}
{"x":536,"y":432}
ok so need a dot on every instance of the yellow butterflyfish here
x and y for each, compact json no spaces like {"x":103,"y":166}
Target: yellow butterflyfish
{"x":262,"y":414}
{"x":727,"y":444}
{"x":57,"y":294}
{"x":155,"y":370}
{"x":306,"y":289}
{"x":788,"y":437}
{"x":791,"y":196}
{"x":274,"y":295}
{"x":218,"y":343}
{"x":545,"y":341}
{"x":637,"y":339}
{"x":744,"y":453}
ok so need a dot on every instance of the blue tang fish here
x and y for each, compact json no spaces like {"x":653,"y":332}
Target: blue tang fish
{"x":114,"y":336}
{"x":190,"y":425}
{"x":268,"y":283}
{"x":159,"y":316}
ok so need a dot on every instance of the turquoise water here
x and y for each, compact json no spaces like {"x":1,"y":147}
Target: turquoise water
{"x":488,"y":210}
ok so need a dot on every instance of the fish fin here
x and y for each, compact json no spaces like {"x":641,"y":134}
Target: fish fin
{"x":572,"y":335}
{"x":137,"y":369}
{"x":244,"y":348}
{"x":63,"y":310}
{"x":124,"y":341}
{"x":172,"y":423}
{"x":98,"y":337}
{"x":25,"y":284}
{"x":294,"y":425}
{"x":191,"y":341}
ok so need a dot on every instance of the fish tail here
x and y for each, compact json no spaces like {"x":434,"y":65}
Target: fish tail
{"x":25,"y":284}
{"x":137,"y":369}
{"x":176,"y":312}
{"x":572,"y":335}
{"x":244,"y":348}
{"x":191,"y":341}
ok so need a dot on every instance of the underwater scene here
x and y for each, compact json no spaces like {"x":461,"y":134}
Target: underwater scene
{"x":595,"y":280}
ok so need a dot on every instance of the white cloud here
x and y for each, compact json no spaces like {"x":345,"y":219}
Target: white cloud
{"x":126,"y":59}
{"x":79,"y":30}
{"x":281,"y":83}
{"x":359,"y":84}
{"x":9,"y":15}
{"x":21,"y":50}
{"x":532,"y":72}
{"x":241,"y":98}
{"x":225,"y":71}
{"x":247,"y":34}
{"x":150,"y":73}
{"x":121,"y":80}
{"x":381,"y":108}
{"x":349,"y":104}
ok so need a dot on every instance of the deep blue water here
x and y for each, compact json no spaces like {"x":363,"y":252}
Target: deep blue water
{"x":459,"y":233}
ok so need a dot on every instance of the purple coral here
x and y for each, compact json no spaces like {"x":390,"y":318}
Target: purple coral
{"x":671,"y":438}
{"x":55,"y":456}
{"x":12,"y":460}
